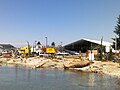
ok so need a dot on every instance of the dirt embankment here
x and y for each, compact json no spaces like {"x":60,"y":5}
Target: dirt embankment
{"x":109,"y":68}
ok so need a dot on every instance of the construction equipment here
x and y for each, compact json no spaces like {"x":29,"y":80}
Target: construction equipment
{"x":24,"y":50}
{"x":50,"y":51}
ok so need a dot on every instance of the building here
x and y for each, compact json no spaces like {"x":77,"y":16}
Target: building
{"x":84,"y":45}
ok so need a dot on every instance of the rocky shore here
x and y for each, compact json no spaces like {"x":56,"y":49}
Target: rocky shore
{"x":108,"y":67}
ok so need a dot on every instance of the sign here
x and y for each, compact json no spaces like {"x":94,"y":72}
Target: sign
{"x":107,"y":49}
{"x":91,"y":56}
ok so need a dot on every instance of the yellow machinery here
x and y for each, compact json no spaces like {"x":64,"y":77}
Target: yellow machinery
{"x":50,"y":50}
{"x":24,"y":50}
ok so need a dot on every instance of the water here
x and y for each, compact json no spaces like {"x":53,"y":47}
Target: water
{"x":21,"y":78}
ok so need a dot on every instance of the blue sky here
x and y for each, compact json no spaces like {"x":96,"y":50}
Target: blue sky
{"x":59,"y":20}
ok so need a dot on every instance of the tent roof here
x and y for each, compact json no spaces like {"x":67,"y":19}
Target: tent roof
{"x":104,"y":43}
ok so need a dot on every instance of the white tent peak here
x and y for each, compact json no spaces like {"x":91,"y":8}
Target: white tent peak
{"x":104,"y":43}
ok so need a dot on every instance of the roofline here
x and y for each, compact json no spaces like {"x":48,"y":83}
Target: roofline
{"x":104,"y":43}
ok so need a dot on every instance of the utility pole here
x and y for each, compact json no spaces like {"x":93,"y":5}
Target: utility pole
{"x":101,"y":49}
{"x":34,"y":46}
{"x":61,"y":47}
{"x":46,"y":41}
{"x":28,"y":48}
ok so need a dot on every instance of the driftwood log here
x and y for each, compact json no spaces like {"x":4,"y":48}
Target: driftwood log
{"x":78,"y":64}
{"x":40,"y":65}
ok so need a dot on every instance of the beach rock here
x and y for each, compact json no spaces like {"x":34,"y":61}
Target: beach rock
{"x":109,"y":68}
{"x":77,"y":64}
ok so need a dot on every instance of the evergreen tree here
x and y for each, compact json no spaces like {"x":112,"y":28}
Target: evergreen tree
{"x":110,"y":55}
{"x":38,"y":43}
{"x":53,"y":44}
{"x":101,"y":49}
{"x":117,"y":32}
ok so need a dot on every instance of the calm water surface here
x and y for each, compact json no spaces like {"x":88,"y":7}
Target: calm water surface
{"x":21,"y":78}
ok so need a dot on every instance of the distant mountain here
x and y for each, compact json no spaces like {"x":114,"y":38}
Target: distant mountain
{"x":7,"y":47}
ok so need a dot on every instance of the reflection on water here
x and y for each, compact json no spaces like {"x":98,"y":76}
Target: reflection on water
{"x":21,"y":78}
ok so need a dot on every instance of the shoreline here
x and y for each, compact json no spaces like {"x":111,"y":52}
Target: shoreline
{"x":108,"y":68}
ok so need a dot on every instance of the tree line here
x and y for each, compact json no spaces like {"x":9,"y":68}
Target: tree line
{"x":116,"y":43}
